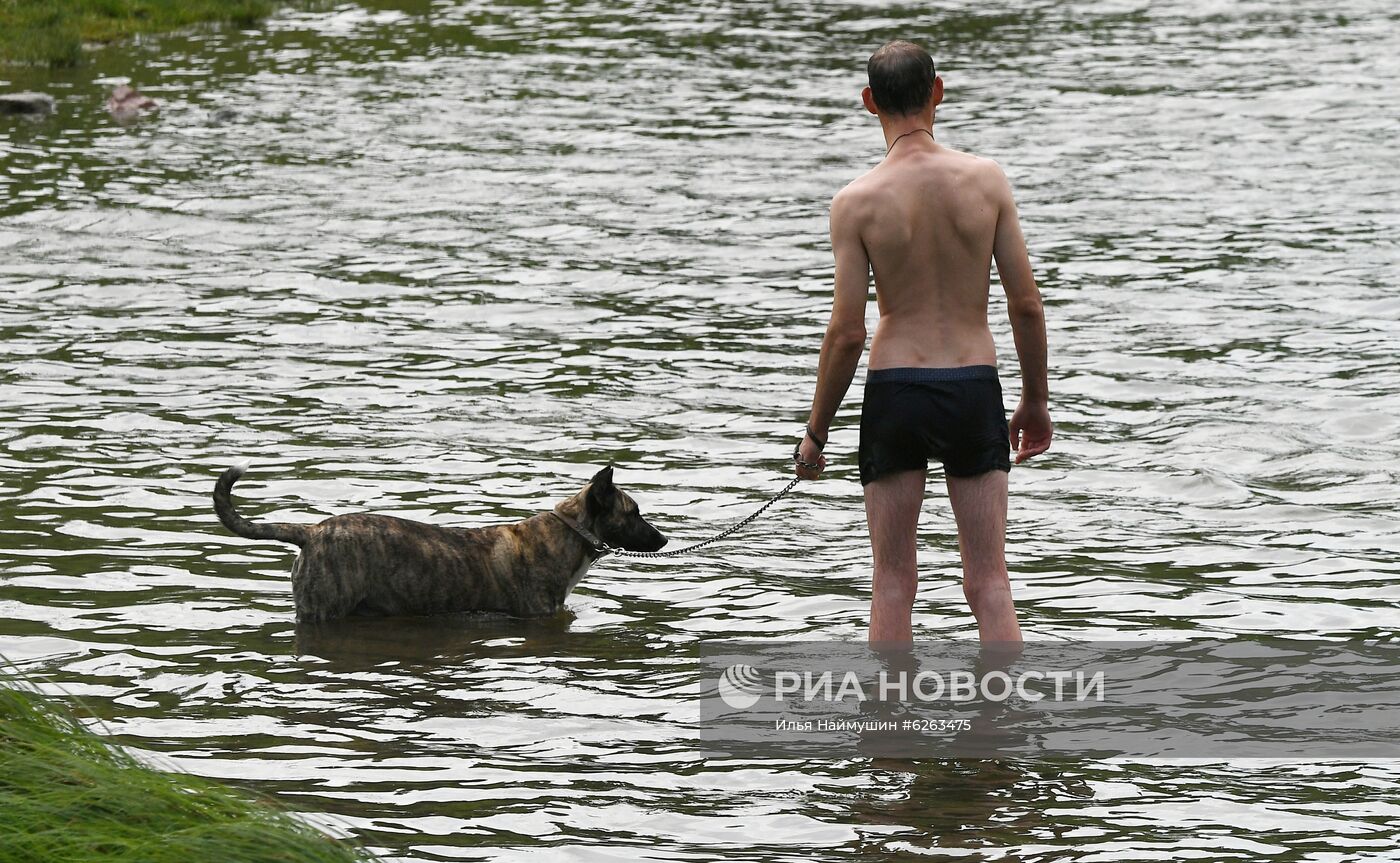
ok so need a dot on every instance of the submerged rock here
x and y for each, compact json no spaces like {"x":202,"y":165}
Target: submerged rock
{"x":126,"y":103}
{"x":26,"y":103}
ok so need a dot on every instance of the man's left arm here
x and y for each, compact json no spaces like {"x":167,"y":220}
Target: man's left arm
{"x":845,"y":333}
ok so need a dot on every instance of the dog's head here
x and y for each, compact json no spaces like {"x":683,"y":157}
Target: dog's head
{"x":615,"y":516}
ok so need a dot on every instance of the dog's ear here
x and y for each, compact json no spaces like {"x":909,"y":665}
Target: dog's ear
{"x":602,"y":488}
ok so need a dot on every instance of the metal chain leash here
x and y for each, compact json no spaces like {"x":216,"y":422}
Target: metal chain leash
{"x":622,"y":552}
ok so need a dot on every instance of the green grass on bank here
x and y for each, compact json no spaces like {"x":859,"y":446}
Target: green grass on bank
{"x":66,"y":796}
{"x":53,"y":32}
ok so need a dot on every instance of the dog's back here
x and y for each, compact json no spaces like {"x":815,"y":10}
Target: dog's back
{"x":379,"y":565}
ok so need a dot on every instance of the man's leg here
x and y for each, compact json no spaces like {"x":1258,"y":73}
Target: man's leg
{"x":979,"y":505}
{"x":892,"y":505}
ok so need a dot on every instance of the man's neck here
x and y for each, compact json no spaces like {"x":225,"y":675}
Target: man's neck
{"x":898,"y":126}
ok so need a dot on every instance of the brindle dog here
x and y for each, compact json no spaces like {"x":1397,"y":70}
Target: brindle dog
{"x":378,"y":565}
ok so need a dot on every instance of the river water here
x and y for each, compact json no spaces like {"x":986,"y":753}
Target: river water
{"x":444,"y":261}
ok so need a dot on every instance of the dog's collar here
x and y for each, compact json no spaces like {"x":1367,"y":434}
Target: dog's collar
{"x":588,"y":536}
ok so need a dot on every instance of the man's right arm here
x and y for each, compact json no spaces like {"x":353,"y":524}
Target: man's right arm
{"x":844,"y":341}
{"x":1030,"y":423}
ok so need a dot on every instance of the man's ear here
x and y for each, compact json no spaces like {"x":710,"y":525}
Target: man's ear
{"x":868,"y":98}
{"x":601,"y":488}
{"x":937,"y":94}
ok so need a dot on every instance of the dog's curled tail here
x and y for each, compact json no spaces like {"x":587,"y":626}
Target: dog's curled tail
{"x":296,"y":534}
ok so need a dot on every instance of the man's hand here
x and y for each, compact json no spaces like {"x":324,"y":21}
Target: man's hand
{"x":807,"y":451}
{"x":1030,"y":429}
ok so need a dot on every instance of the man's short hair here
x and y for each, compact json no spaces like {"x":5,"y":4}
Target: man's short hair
{"x":901,"y":77}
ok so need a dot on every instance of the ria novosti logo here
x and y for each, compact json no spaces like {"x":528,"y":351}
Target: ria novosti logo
{"x":740,"y":686}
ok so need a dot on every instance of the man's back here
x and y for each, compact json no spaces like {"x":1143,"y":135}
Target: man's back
{"x":927,"y":217}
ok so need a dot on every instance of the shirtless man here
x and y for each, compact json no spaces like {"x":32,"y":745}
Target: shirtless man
{"x":928,"y":221}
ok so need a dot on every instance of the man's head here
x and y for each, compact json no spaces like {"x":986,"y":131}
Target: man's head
{"x":903,"y":81}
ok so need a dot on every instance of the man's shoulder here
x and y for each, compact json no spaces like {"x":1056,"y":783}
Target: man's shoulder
{"x":982,"y":173}
{"x":857,"y":188}
{"x":866,"y":193}
{"x":875,"y":182}
{"x":965,"y":154}
{"x":854,"y":196}
{"x":982,"y":167}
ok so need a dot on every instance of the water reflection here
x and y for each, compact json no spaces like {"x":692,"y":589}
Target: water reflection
{"x":432,"y":640}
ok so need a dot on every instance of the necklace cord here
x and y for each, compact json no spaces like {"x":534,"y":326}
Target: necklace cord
{"x":905,"y":135}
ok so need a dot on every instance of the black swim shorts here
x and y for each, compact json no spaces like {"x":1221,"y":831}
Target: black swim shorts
{"x":952,"y":414}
